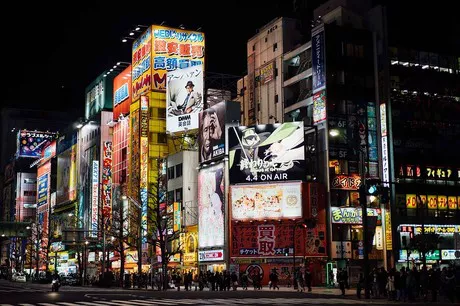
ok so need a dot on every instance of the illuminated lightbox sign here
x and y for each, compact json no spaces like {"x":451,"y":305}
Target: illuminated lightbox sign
{"x":213,"y":255}
{"x":272,"y":201}
{"x":121,"y":94}
{"x":351,"y":215}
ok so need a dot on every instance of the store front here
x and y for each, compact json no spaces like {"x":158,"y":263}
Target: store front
{"x":212,"y":260}
{"x":443,"y":239}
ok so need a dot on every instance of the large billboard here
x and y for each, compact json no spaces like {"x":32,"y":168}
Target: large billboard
{"x":122,"y":93}
{"x":211,"y":209}
{"x":67,"y":175}
{"x":106,"y":190}
{"x":98,"y":95}
{"x":94,"y":199}
{"x":160,"y":50}
{"x":267,"y":201}
{"x":211,"y":138}
{"x":264,"y":153}
{"x":32,"y":143}
{"x":184,"y":98}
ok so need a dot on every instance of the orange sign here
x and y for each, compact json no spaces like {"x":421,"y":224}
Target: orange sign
{"x":432,"y":202}
{"x":122,"y":93}
{"x":442,"y":202}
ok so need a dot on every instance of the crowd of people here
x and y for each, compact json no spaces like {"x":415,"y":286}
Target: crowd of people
{"x":410,"y":284}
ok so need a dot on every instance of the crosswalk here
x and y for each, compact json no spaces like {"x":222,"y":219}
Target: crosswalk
{"x":197,"y":302}
{"x":19,"y":290}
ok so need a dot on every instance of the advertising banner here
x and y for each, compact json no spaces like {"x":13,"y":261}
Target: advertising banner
{"x":94,"y":199}
{"x":211,"y":206}
{"x":265,"y":239}
{"x":264,"y":153}
{"x":134,"y":147}
{"x":319,"y":74}
{"x":99,"y":95}
{"x":122,"y":93}
{"x":273,"y":201}
{"x":144,"y":153}
{"x":177,"y":216}
{"x":67,"y":176}
{"x":48,"y":152}
{"x":267,"y":73}
{"x":43,"y":183}
{"x":191,"y":245}
{"x":351,"y":215}
{"x":251,"y":89}
{"x":184,"y":98}
{"x":142,"y":64}
{"x":315,"y":243}
{"x":213,"y":255}
{"x":211,"y":138}
{"x":106,"y":194}
{"x":346,"y":182}
{"x":174,"y":49}
{"x":32,"y":143}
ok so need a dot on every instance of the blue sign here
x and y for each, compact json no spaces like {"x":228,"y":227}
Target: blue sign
{"x":42,"y":190}
{"x":121,"y":94}
{"x":318,"y":61}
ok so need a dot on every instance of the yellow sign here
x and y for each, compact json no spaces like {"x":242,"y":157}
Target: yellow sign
{"x":174,"y":49}
{"x":411,"y":201}
{"x":388,"y":234}
{"x":442,"y":202}
{"x":452,"y":203}
{"x":190,"y":258}
{"x":432,"y":202}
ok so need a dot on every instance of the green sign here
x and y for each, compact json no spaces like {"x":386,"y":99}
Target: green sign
{"x":99,"y":95}
{"x":434,"y":255}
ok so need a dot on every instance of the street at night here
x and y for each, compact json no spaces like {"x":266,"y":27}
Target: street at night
{"x":282,"y":152}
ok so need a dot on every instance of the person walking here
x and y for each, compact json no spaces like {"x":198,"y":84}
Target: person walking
{"x":308,"y":279}
{"x":360,"y":285}
{"x":341,"y":279}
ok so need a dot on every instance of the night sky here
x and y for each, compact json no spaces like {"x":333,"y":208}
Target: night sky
{"x":52,"y":52}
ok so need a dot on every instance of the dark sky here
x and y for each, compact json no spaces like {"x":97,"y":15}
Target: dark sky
{"x":53,"y":52}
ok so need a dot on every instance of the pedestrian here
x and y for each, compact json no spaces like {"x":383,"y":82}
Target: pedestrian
{"x":341,"y":280}
{"x":244,"y":281}
{"x":308,"y":279}
{"x":299,"y":280}
{"x":360,"y":285}
{"x":274,"y":280}
{"x":234,"y":279}
{"x":391,"y":284}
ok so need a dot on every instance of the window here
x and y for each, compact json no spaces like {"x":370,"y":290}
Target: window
{"x":275,"y":46}
{"x":171,"y":173}
{"x":265,"y":39}
{"x":30,"y":193}
{"x":30,"y":181}
{"x":170,"y":197}
{"x":161,"y":137}
{"x":179,"y":195}
{"x":254,"y":47}
{"x":179,"y":170}
{"x":276,"y":98}
{"x":162,"y":113}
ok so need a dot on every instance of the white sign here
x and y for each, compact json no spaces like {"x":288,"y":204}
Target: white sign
{"x":213,"y":255}
{"x":184,"y":98}
{"x":95,"y":199}
{"x":341,"y":249}
{"x":268,"y":201}
{"x":450,"y":254}
{"x":384,"y":145}
{"x":378,"y":238}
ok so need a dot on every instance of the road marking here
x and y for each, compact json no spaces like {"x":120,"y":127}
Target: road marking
{"x":67,"y":304}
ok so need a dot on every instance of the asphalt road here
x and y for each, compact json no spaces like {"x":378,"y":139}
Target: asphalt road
{"x":41,"y":295}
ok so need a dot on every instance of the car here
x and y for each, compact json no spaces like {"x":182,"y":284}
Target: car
{"x":19,"y":277}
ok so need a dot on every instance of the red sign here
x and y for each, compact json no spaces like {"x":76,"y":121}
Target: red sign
{"x":122,"y":93}
{"x":346,"y":182}
{"x":259,"y":239}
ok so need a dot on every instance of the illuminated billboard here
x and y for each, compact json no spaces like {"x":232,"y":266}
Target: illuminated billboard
{"x":160,"y":50}
{"x":48,"y":152}
{"x":211,"y":209}
{"x":94,"y":199}
{"x":122,"y":93}
{"x":43,"y":184}
{"x":98,"y":95}
{"x":106,"y":191}
{"x":264,"y":153}
{"x":270,"y":201}
{"x":319,"y":74}
{"x":351,"y":215}
{"x":67,"y":175}
{"x":32,"y":143}
{"x":211,"y":138}
{"x":184,"y":98}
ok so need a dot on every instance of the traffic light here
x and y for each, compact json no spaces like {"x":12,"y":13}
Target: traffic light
{"x":372,"y":186}
{"x":385,"y":195}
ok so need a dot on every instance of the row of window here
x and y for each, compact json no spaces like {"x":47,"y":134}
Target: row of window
{"x":175,"y":195}
{"x":175,"y":171}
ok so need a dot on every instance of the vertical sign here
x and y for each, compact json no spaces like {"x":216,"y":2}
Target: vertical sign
{"x":251,"y":86}
{"x":142,"y":64}
{"x":266,"y":239}
{"x":95,"y":199}
{"x":384,"y":144}
{"x":177,"y":216}
{"x":388,"y":233}
{"x":144,"y":151}
{"x":319,"y":75}
{"x":106,"y":195}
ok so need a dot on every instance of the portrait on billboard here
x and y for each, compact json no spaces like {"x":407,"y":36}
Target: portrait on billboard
{"x":266,"y":153}
{"x":184,"y":98}
{"x":212,"y":137}
{"x":211,"y":206}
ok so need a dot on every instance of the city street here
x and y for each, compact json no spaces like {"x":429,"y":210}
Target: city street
{"x":41,"y":295}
